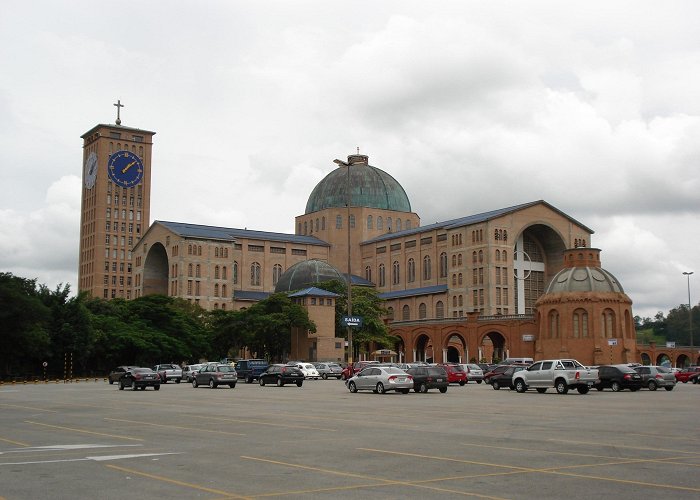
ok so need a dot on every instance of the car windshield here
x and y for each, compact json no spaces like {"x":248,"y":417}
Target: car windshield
{"x":309,"y":367}
{"x":436,"y":372}
{"x":661,"y":369}
{"x":141,"y":370}
{"x":393,"y":369}
{"x":225,"y":368}
{"x":474,"y":367}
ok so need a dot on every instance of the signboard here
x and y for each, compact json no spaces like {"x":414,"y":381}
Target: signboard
{"x":612,"y":341}
{"x":670,"y":344}
{"x":353,"y":321}
{"x":528,"y":338}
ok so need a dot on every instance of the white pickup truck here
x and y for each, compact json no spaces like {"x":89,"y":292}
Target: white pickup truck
{"x":561,"y":374}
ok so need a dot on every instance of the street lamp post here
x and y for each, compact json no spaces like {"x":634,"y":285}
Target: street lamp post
{"x":690,"y":309}
{"x":348,"y":199}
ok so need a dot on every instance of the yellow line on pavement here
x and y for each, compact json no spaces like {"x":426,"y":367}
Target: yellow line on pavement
{"x":166,"y":426}
{"x":83,"y":431}
{"x":18,"y":443}
{"x":624,"y":481}
{"x":33,"y":408}
{"x":646,"y":448}
{"x":176,"y":482}
{"x":257,"y":422}
{"x":448,"y":459}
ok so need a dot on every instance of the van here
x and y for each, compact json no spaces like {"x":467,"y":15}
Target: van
{"x":250,"y":369}
{"x":514,"y":361}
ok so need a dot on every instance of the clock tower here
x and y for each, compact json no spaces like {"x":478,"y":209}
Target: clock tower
{"x":115,"y":206}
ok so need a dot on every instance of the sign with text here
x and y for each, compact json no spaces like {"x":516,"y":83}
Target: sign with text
{"x":670,"y":344}
{"x":612,"y":341}
{"x":528,"y":338}
{"x":353,"y":321}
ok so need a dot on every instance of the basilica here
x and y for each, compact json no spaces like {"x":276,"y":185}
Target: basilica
{"x":518,"y":281}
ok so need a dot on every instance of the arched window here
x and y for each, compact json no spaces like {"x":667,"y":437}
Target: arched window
{"x":454,"y":279}
{"x":443,"y":265}
{"x":390,"y":313}
{"x":388,"y":223}
{"x":255,"y":274}
{"x":580,"y":323}
{"x":459,"y":259}
{"x":504,"y":256}
{"x":317,"y":224}
{"x":474,"y":257}
{"x":235,"y":272}
{"x":199,"y":249}
{"x":197,"y":271}
{"x":189,"y":249}
{"x":216,"y":252}
{"x":459,"y":279}
{"x":406,"y":313}
{"x":498,"y":255}
{"x":352,"y":220}
{"x":216,"y":272}
{"x":223,"y":291}
{"x":306,"y":228}
{"x":189,"y":270}
{"x":369,"y":222}
{"x":553,"y":325}
{"x":323,"y":223}
{"x":398,"y":224}
{"x":216,"y":289}
{"x":380,"y":222}
{"x":395,"y":273}
{"x":440,"y":310}
{"x":454,"y":261}
{"x":608,"y":324}
{"x":411,"y":271}
{"x":368,"y":273}
{"x":382,"y":275}
{"x":427,"y":268}
{"x":338,"y":221}
{"x":481,"y":256}
{"x":422,"y":311}
{"x":276,"y":273}
{"x":454,"y":301}
{"x":408,"y":224}
{"x":224,"y":273}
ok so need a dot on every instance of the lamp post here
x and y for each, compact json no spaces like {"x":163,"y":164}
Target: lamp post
{"x":690,"y":309}
{"x":348,"y":199}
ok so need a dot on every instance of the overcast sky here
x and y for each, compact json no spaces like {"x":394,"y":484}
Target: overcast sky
{"x":471,"y":106}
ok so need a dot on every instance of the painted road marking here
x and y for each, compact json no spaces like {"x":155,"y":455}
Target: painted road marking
{"x":175,"y":427}
{"x":94,"y":459}
{"x":83,"y":431}
{"x":66,"y":447}
{"x":33,"y":408}
{"x":257,"y":422}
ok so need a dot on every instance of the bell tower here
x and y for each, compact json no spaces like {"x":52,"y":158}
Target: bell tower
{"x":115,"y":206}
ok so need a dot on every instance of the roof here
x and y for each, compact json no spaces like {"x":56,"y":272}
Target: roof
{"x":116,"y":127}
{"x":413,"y":292}
{"x":313,"y":291}
{"x":187,"y":230}
{"x":248,"y":295}
{"x":471,"y":219}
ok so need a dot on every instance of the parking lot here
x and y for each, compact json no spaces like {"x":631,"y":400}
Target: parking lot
{"x":90,"y":440}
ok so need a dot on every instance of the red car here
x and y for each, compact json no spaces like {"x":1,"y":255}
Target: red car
{"x":455,"y":373}
{"x":351,"y":370}
{"x":690,"y":374}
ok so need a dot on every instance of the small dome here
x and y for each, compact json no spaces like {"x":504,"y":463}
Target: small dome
{"x":583,"y":274}
{"x":370,"y":187}
{"x":305,"y":274}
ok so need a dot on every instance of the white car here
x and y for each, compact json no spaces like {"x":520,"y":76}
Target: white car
{"x":308,"y":370}
{"x":474,"y":373}
{"x":189,"y":371}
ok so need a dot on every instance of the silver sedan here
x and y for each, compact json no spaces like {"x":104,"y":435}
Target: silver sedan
{"x":380,"y":379}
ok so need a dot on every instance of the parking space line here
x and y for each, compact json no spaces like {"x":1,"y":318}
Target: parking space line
{"x":83,"y":431}
{"x":382,"y":483}
{"x":18,"y":443}
{"x":665,"y":450}
{"x":33,"y":408}
{"x":179,"y":427}
{"x":177,"y":482}
{"x":257,"y":422}
{"x":449,"y":459}
{"x":626,"y":481}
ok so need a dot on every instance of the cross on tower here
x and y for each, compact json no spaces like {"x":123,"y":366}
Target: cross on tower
{"x":118,"y":105}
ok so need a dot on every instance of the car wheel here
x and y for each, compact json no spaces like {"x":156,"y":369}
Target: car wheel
{"x":405,"y":391}
{"x":177,"y":380}
{"x":520,"y":386}
{"x":462,"y":382}
{"x":615,"y":386}
{"x":212,"y":384}
{"x":324,"y":376}
{"x":156,"y":387}
{"x":232,"y":386}
{"x":443,"y":390}
{"x":561,"y":387}
{"x":478,"y":381}
{"x":423,"y":388}
{"x":583,"y":389}
{"x":541,"y":390}
{"x":496,"y":386}
{"x":652,"y":385}
{"x":249,"y":380}
{"x":669,"y":387}
{"x":380,"y":388}
{"x":352,"y":387}
{"x":279,"y":382}
{"x":261,"y":381}
{"x":634,"y":389}
{"x":121,"y":385}
{"x":300,"y":383}
{"x":111,"y":381}
{"x":133,"y":385}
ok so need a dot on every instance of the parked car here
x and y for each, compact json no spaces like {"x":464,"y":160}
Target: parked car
{"x":139,"y":378}
{"x":455,"y":373}
{"x":214,"y":375}
{"x":617,"y":378}
{"x":474,"y":373}
{"x":307,"y":369}
{"x":656,"y":376}
{"x":355,"y":367}
{"x":497,"y":370}
{"x":689,"y":374}
{"x":380,"y":379}
{"x":168,"y":371}
{"x":250,"y":369}
{"x":188,"y":371}
{"x":428,"y":377}
{"x":329,"y":370}
{"x":281,"y":375}
{"x":505,"y":378}
{"x":116,"y":374}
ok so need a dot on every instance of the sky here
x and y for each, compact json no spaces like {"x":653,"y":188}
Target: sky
{"x":471,"y":105}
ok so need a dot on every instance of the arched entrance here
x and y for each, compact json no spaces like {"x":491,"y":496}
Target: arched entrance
{"x":456,"y":349}
{"x":155,"y":271}
{"x":423,"y":350}
{"x":492,"y":348}
{"x":400,"y":348}
{"x":682,"y":361}
{"x":663,"y":360}
{"x":646,"y":360}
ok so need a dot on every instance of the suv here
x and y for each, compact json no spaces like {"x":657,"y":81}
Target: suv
{"x":428,"y":377}
{"x":656,"y":376}
{"x":250,"y":369}
{"x":618,"y":377}
{"x":168,"y":372}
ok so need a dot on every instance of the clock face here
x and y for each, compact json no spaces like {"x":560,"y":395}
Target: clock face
{"x":90,"y":173}
{"x":125,"y":168}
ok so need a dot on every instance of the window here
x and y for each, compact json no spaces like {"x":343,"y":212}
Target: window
{"x":411,"y":271}
{"x":216,"y":289}
{"x":338,"y":221}
{"x":368,"y":273}
{"x":608,"y":324}
{"x":216,"y":272}
{"x":276,"y":274}
{"x":406,"y":313}
{"x":223,"y":291}
{"x":427,"y":268}
{"x":443,"y":265}
{"x":223,"y":273}
{"x":352,"y":221}
{"x":390,"y":312}
{"x":382,"y":275}
{"x":197,"y":272}
{"x":369,"y":222}
{"x":395,"y":276}
{"x":422,"y":311}
{"x":553,"y":325}
{"x":380,"y":222}
{"x":440,"y":310}
{"x":235,"y":272}
{"x":580,"y":323}
{"x":255,"y":274}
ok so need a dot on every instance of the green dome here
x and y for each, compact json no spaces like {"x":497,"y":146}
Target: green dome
{"x":369,"y":187}
{"x":305,"y":274}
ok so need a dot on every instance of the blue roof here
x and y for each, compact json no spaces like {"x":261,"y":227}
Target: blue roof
{"x":230,"y":234}
{"x":412,"y":292}
{"x":315,"y":291}
{"x":470,"y":219}
{"x":248,"y":295}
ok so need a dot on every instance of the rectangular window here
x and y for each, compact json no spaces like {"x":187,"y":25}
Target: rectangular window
{"x":381,"y":250}
{"x":256,"y":248}
{"x":426,"y":241}
{"x":395,"y":246}
{"x":278,"y":250}
{"x":442,"y":237}
{"x":298,"y":251}
{"x":410,"y":244}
